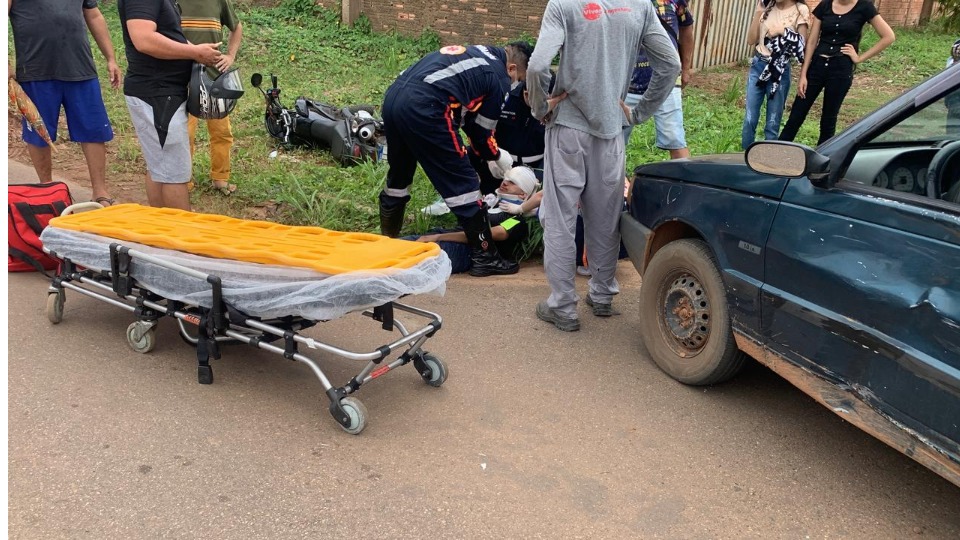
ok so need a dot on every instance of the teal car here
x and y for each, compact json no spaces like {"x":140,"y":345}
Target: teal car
{"x":838,"y":268}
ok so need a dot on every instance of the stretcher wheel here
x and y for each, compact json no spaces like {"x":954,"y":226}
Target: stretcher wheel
{"x":437,"y":370}
{"x":140,"y":339}
{"x":357,"y":413}
{"x":55,"y":307}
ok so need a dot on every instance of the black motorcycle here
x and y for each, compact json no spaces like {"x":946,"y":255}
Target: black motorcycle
{"x":352,"y":134}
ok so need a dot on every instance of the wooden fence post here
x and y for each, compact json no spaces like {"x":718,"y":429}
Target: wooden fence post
{"x":349,"y":11}
{"x":926,"y":10}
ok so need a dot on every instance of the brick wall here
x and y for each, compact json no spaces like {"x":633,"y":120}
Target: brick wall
{"x":456,"y":21}
{"x":488,"y":21}
{"x":895,"y":12}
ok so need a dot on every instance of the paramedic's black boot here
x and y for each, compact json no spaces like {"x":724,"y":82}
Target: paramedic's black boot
{"x":391,"y":214}
{"x":483,"y":254}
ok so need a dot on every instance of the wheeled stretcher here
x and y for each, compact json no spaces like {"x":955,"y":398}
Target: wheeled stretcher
{"x":253,"y":282}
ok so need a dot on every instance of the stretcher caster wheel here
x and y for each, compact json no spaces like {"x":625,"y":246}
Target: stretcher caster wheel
{"x":205,"y":374}
{"x":356,"y":412}
{"x":433,"y":371}
{"x":55,"y":307}
{"x":141,"y":338}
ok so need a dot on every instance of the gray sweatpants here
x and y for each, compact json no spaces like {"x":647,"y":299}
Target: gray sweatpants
{"x":579,"y":167}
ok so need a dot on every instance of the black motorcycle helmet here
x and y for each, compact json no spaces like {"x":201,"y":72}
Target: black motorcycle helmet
{"x":213,"y":97}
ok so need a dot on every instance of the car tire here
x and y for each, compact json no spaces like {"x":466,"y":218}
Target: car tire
{"x":684,"y":317}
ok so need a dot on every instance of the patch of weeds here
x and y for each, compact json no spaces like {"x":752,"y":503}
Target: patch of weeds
{"x":532,"y":246}
{"x":733,"y":94}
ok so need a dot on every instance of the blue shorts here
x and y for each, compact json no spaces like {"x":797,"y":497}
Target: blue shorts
{"x":668,"y":121}
{"x":81,"y":101}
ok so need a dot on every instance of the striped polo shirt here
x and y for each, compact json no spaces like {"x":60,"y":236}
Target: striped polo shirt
{"x":203,"y":20}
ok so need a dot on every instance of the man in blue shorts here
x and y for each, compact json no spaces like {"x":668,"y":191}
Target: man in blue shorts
{"x":55,"y":68}
{"x":159,"y":60}
{"x":668,"y":120}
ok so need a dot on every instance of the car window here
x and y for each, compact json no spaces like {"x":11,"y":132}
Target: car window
{"x":920,"y":155}
{"x":939,"y":121}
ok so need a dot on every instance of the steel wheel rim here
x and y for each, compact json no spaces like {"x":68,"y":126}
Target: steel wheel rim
{"x":685,"y":314}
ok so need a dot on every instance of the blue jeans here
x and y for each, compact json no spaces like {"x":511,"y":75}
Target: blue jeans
{"x":459,"y":254}
{"x":755,"y":97}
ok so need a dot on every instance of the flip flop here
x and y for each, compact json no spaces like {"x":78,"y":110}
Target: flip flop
{"x":224,"y":188}
{"x":105,"y":201}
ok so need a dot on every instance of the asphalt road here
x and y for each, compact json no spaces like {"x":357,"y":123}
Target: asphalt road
{"x":536,"y":434}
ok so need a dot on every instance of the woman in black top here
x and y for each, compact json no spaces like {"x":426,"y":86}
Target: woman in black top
{"x":831,"y":54}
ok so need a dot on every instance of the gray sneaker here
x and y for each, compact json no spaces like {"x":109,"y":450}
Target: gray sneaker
{"x":546,"y":313}
{"x":602,"y":310}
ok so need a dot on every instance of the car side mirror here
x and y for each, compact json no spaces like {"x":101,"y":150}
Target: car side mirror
{"x":256,"y":79}
{"x":787,"y":159}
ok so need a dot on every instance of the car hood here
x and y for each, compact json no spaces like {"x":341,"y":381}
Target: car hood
{"x":727,"y":171}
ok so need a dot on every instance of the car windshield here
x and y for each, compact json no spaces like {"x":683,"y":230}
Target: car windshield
{"x":938,"y":121}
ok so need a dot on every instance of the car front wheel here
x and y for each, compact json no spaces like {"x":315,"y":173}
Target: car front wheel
{"x":684,"y":318}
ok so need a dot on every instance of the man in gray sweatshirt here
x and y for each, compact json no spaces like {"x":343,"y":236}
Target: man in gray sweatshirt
{"x":584,"y":159}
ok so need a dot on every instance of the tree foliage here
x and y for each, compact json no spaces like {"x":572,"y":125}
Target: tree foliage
{"x":948,"y":16}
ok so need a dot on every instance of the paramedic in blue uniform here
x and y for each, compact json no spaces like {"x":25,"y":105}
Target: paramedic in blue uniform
{"x":518,"y":133}
{"x":455,"y":87}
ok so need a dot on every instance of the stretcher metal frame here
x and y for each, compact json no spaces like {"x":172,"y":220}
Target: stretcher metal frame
{"x":206,"y":328}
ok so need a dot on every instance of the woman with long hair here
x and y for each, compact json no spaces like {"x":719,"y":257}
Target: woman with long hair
{"x":777,"y":35}
{"x":833,"y":50}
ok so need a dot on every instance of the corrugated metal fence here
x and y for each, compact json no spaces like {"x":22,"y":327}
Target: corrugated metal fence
{"x":721,"y":31}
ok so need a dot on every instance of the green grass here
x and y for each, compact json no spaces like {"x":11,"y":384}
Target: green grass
{"x":313,"y":55}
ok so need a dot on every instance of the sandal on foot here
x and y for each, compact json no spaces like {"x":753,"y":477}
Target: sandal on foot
{"x":105,"y":201}
{"x":225,"y":188}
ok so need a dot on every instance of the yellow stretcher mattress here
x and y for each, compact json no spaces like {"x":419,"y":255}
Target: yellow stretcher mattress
{"x":211,"y":235}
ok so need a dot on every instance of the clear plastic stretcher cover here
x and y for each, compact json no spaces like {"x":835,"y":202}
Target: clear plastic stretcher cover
{"x":257,"y":289}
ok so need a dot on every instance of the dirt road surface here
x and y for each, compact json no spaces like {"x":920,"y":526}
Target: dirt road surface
{"x":536,"y":434}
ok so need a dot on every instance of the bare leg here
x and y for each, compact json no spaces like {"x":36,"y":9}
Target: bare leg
{"x":96,"y":156}
{"x":154,"y":192}
{"x":681,"y":153}
{"x":42,"y":159}
{"x":176,"y":196}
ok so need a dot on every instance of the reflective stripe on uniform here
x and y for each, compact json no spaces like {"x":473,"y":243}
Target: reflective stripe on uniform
{"x":486,"y":123}
{"x":394,"y":192}
{"x":460,"y":200}
{"x":455,"y":69}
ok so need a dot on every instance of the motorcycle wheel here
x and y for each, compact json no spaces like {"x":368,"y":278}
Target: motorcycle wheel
{"x":274,"y":125}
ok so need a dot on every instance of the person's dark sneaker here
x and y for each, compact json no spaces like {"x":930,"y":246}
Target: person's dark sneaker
{"x":546,"y":313}
{"x":602,"y":310}
{"x":487,"y":263}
